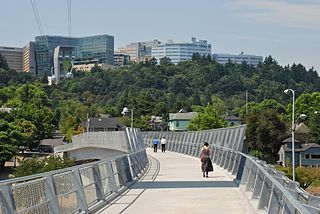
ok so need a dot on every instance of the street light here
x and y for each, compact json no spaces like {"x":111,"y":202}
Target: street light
{"x":292,"y":130}
{"x":125,"y":111}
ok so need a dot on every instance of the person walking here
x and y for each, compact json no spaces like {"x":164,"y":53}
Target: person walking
{"x":206,"y":164}
{"x":163,"y":142}
{"x":155,"y":144}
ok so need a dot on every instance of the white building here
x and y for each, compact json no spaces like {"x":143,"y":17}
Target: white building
{"x":179,"y":52}
{"x":250,"y":59}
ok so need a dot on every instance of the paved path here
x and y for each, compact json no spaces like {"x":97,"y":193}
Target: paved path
{"x":174,"y":184}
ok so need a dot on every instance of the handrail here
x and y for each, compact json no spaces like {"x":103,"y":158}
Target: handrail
{"x":76,"y":189}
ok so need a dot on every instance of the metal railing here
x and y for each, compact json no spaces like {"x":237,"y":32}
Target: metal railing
{"x":76,"y":189}
{"x":275,"y":192}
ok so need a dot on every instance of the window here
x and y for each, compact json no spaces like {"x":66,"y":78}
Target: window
{"x":307,"y":156}
{"x":315,"y":156}
{"x":177,"y":123}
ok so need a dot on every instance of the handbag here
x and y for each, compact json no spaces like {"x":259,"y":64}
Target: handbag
{"x":202,"y":158}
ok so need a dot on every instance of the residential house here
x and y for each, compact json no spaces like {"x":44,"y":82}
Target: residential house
{"x":305,"y":154}
{"x":233,"y":120}
{"x":101,"y":124}
{"x":180,"y":121}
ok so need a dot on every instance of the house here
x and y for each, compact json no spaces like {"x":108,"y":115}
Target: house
{"x":233,"y":120}
{"x":305,"y":154}
{"x":47,"y":145}
{"x":101,"y":124}
{"x":180,"y":121}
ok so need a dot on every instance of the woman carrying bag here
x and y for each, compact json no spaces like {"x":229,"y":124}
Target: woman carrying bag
{"x":206,"y":164}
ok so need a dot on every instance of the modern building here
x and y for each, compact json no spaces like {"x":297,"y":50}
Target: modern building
{"x":121,"y":59}
{"x":29,"y":58}
{"x":138,"y":51}
{"x":180,"y":121}
{"x":179,"y":52}
{"x":225,"y":58}
{"x":99,"y":47}
{"x":13,"y":56}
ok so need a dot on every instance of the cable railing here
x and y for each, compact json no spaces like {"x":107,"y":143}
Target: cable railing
{"x":79,"y":189}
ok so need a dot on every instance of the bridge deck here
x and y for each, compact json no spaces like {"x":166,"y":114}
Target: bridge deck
{"x":174,"y":184}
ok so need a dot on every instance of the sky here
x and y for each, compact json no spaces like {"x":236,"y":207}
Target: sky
{"x":288,"y":30}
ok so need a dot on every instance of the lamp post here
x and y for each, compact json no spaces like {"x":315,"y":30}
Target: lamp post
{"x":292,"y":131}
{"x":125,"y":111}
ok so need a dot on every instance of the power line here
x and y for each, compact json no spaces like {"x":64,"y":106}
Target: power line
{"x":69,"y":17}
{"x":36,"y":14}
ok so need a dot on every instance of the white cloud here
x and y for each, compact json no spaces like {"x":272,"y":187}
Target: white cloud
{"x":285,"y":12}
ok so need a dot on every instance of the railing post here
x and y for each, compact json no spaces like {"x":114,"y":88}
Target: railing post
{"x":7,"y":199}
{"x":54,"y":206}
{"x":81,"y":197}
{"x":112,"y":181}
{"x":98,"y":182}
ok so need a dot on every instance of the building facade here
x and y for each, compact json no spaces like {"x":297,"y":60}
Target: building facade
{"x":180,"y":121}
{"x":29,"y":58}
{"x":179,"y":52}
{"x":99,"y":47}
{"x":121,"y":59}
{"x":249,"y":59}
{"x":138,"y":51}
{"x":305,"y":154}
{"x":13,"y":56}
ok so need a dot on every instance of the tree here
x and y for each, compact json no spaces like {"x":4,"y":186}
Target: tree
{"x":35,"y":165}
{"x":206,"y":119}
{"x":3,"y":63}
{"x":7,"y":151}
{"x":314,"y":128}
{"x":265,"y":133}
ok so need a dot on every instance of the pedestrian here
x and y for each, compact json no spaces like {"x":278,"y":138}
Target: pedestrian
{"x":163,"y":142}
{"x":155,"y":144}
{"x":206,"y":164}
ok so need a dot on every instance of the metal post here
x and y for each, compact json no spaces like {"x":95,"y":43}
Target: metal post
{"x":131,"y":119}
{"x":292,"y":131}
{"x":293,"y":161}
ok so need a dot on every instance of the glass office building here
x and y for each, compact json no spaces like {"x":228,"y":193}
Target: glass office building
{"x":99,"y":47}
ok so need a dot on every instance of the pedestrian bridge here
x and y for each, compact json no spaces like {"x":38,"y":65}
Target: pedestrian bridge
{"x":140,"y":181}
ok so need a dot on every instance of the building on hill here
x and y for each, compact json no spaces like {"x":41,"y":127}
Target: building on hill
{"x":99,"y":47}
{"x":14,"y":56}
{"x":240,"y":58}
{"x":138,"y":51}
{"x":29,"y":58}
{"x":121,"y":59}
{"x":180,"y":51}
{"x":180,"y":121}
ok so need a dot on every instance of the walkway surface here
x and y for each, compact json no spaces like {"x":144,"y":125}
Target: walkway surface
{"x":174,"y":184}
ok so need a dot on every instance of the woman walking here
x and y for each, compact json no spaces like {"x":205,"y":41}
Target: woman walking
{"x":206,"y":164}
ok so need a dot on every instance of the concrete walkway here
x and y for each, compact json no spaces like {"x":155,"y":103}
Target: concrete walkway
{"x":174,"y":184}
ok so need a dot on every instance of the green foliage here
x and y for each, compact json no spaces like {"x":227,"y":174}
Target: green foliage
{"x":304,"y":175}
{"x":206,"y":119}
{"x":36,"y":165}
{"x":265,"y":133}
{"x":7,"y":151}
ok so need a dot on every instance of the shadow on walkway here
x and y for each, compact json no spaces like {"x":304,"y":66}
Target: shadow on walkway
{"x":182,"y":184}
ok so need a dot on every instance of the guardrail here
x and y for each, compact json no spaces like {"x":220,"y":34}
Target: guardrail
{"x":275,"y":192}
{"x":78,"y":189}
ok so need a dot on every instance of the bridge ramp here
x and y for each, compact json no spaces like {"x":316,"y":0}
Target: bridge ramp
{"x":174,"y":184}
